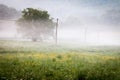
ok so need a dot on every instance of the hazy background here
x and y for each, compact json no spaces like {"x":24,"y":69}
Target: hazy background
{"x":80,"y":21}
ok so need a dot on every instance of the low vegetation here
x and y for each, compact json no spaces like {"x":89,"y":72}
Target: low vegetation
{"x":34,"y":61}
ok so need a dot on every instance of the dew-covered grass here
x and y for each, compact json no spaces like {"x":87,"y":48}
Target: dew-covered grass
{"x":22,"y":60}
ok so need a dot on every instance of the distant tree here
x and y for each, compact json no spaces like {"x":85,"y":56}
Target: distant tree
{"x":36,"y":24}
{"x":8,"y":12}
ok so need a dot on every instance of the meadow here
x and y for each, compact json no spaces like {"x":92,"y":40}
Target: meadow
{"x":22,"y":60}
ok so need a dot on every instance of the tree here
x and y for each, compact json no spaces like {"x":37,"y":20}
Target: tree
{"x":36,"y":24}
{"x":8,"y":12}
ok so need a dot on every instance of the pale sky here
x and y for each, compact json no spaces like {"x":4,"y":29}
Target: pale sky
{"x":65,"y":8}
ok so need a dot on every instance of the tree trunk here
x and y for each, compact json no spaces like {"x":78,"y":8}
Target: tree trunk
{"x":34,"y":39}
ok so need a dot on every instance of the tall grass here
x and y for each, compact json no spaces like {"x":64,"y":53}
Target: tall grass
{"x":24,"y":62}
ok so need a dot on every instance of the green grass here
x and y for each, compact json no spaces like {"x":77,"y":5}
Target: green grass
{"x":35,"y":61}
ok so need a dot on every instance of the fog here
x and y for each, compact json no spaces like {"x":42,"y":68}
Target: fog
{"x":94,"y":22}
{"x":7,"y":29}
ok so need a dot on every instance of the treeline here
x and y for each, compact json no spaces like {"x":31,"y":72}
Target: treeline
{"x":8,"y":12}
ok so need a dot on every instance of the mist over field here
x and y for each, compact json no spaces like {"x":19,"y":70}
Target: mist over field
{"x":59,"y":39}
{"x":80,"y":21}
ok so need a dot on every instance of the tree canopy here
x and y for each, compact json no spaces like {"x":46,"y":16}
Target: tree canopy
{"x":36,"y":24}
{"x":34,"y":14}
{"x":8,"y":12}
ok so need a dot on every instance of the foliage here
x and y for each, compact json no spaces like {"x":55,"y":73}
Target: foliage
{"x":36,"y":24}
{"x":8,"y":12}
{"x":30,"y":61}
{"x":34,"y":14}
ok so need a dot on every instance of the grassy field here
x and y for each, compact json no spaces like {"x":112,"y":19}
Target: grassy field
{"x":20,"y":60}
